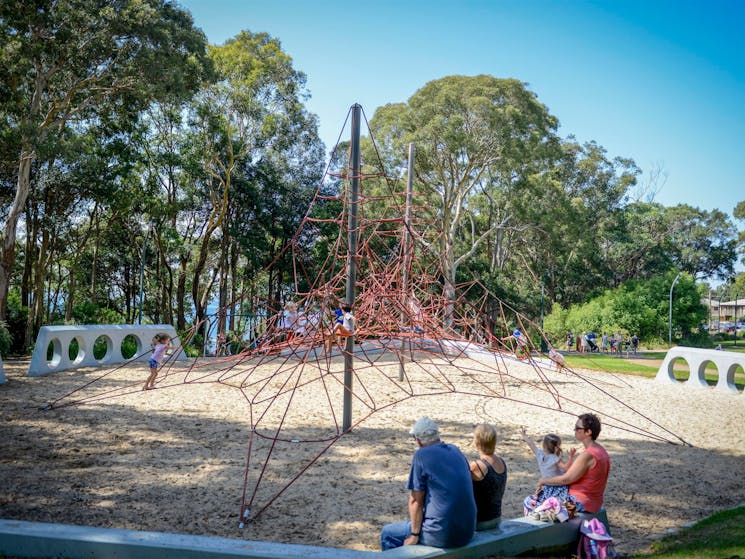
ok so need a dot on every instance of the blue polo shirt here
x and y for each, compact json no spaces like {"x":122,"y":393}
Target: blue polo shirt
{"x":441,"y":471}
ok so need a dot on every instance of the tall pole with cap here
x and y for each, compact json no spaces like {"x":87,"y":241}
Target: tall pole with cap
{"x":352,"y":237}
{"x":408,"y":296}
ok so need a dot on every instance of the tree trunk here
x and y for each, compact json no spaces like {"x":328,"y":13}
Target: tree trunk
{"x":223,"y":286}
{"x":36,"y":309}
{"x":180,"y":294}
{"x":8,"y":256}
{"x":72,"y":286}
{"x":234,"y":256}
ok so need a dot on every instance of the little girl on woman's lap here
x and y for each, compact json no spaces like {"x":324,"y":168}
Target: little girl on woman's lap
{"x":550,"y":464}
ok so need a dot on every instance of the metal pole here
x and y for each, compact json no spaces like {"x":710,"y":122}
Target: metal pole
{"x":354,"y":189}
{"x":407,"y":257}
{"x":142,"y":274}
{"x":670,"y":333}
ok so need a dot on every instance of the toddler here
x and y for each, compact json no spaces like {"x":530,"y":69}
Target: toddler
{"x":550,"y":464}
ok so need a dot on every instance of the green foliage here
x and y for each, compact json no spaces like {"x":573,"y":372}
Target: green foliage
{"x":17,"y":316}
{"x":555,"y":323}
{"x":99,"y":348}
{"x":640,"y":307}
{"x":88,"y":312}
{"x":5,"y":339}
{"x":129,"y":347}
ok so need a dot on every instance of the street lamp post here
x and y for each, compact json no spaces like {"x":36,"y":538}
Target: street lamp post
{"x":670,"y":333}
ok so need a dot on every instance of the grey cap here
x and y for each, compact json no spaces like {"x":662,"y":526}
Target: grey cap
{"x":425,"y":429}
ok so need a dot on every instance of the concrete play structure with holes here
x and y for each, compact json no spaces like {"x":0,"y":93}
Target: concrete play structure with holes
{"x":86,"y":336}
{"x":697,"y":360}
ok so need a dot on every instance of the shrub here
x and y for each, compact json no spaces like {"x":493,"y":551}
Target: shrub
{"x":5,"y":339}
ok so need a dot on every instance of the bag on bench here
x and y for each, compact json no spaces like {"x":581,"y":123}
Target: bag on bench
{"x":594,"y":541}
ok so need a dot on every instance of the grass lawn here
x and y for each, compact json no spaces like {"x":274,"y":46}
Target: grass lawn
{"x":605,"y":362}
{"x":720,"y":536}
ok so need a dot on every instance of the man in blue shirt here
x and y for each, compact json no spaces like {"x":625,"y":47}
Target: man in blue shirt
{"x":442,"y":509}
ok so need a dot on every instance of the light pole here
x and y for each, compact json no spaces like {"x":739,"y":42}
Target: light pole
{"x":670,"y":333}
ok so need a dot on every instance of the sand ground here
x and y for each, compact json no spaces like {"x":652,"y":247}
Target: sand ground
{"x":173,"y":459}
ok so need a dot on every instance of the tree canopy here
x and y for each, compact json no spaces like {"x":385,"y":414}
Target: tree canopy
{"x":141,"y":168}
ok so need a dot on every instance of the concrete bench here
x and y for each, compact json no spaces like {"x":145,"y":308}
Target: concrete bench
{"x":39,"y":539}
{"x":513,"y":537}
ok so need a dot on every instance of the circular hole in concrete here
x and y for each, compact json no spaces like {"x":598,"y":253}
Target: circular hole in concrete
{"x":681,"y":370}
{"x":130,"y":346}
{"x":54,"y":352}
{"x":102,"y":349}
{"x":711,"y":373}
{"x":77,"y":350}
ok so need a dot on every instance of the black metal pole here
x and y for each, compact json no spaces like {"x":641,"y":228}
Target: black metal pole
{"x":352,"y":237}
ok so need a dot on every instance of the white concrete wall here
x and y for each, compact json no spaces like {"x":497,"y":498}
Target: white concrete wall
{"x":86,"y":335}
{"x":725,"y":361}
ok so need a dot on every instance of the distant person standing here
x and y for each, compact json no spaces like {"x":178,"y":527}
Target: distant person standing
{"x":442,"y":510}
{"x":634,"y":343}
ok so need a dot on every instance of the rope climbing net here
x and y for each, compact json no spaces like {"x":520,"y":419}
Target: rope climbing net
{"x":417,"y":334}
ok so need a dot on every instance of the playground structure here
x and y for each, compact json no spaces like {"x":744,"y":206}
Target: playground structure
{"x":86,"y":336}
{"x":697,"y":360}
{"x":417,"y":334}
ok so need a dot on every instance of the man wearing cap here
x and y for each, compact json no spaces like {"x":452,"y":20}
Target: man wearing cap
{"x":442,"y":509}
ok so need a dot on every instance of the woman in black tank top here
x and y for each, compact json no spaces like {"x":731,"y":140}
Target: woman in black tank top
{"x":489,"y":477}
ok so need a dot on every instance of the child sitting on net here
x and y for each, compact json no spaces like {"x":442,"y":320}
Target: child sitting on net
{"x":550,"y":464}
{"x":343,"y":325}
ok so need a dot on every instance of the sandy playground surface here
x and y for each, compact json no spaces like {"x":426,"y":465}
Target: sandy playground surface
{"x":173,"y":459}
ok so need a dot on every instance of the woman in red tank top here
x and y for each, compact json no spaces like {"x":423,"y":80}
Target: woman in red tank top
{"x":588,"y":475}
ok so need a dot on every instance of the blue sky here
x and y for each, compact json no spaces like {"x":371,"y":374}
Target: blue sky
{"x":662,"y":82}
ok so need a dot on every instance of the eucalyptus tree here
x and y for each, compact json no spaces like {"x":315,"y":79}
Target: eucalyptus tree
{"x":249,"y":130}
{"x":739,"y":214}
{"x":475,"y":136}
{"x":63,"y":59}
{"x":704,"y":242}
